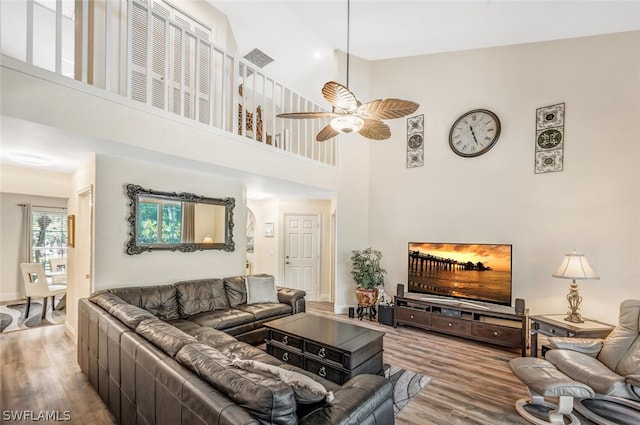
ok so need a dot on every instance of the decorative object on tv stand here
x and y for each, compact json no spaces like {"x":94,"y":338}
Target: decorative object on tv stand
{"x":348,"y":115}
{"x":574,"y":266}
{"x":368,"y":276}
{"x":549,"y":138}
{"x":415,"y":141}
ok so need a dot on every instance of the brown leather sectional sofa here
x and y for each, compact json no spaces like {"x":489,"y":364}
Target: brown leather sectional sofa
{"x":162,"y":355}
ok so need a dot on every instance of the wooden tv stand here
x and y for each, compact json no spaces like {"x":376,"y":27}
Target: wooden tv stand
{"x":495,"y":324}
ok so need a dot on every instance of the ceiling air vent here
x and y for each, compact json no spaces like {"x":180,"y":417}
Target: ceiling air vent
{"x":258,"y":58}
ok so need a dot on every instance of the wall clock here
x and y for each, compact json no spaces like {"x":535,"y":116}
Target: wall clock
{"x":474,"y":133}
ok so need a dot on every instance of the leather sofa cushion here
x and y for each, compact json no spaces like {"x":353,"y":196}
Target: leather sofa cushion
{"x":244,"y":351}
{"x":264,"y":311}
{"x":212,"y":337}
{"x":185,"y":325}
{"x":163,"y":335}
{"x":197,"y":296}
{"x":130,"y":315}
{"x":305,"y":389}
{"x":106,"y":300}
{"x":586,"y":369}
{"x":268,"y":399}
{"x":222,"y":319}
{"x":159,"y":300}
{"x":236,"y":290}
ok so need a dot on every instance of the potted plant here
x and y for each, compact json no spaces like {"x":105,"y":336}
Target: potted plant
{"x":368,"y":275}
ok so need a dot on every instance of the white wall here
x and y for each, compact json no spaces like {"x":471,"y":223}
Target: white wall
{"x":80,"y":263}
{"x":592,"y":206}
{"x":113,"y":267}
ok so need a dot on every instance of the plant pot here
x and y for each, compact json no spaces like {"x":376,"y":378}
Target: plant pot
{"x":366,"y":297}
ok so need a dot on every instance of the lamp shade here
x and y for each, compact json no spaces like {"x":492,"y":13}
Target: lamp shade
{"x":207,"y":239}
{"x":347,"y":124}
{"x":575,"y":266}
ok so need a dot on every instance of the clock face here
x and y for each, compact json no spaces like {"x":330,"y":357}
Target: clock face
{"x":474,"y":133}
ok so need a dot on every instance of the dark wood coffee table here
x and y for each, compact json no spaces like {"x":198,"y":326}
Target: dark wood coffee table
{"x":334,"y":350}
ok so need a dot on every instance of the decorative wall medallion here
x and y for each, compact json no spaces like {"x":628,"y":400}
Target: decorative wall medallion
{"x":415,"y":141}
{"x":549,"y":138}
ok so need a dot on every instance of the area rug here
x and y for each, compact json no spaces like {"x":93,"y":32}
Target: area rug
{"x":406,"y":385}
{"x":12,"y":317}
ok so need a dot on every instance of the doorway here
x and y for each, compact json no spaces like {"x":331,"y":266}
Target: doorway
{"x":302,"y":253}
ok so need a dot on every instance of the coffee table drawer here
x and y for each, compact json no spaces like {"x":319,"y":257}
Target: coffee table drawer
{"x":286,"y":356}
{"x":285,"y":339}
{"x":324,"y":352}
{"x":331,"y":373}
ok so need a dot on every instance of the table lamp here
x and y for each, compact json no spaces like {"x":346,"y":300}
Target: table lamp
{"x":207,"y":239}
{"x":574,"y":266}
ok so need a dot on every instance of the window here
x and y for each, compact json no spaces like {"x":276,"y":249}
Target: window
{"x":159,"y":221}
{"x":49,"y":235}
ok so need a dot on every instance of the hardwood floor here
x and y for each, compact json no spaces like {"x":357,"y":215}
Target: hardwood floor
{"x":471,"y":382}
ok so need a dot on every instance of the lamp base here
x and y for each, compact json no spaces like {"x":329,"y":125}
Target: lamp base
{"x":574,"y":299}
{"x":574,"y":317}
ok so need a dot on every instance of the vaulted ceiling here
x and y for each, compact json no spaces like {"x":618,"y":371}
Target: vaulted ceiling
{"x":300,"y":35}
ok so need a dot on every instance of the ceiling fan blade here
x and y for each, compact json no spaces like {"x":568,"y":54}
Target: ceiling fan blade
{"x":306,"y":115}
{"x":385,"y":109}
{"x":326,"y":133}
{"x":375,"y":129}
{"x":340,"y":97}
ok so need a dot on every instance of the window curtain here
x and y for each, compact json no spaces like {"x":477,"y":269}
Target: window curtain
{"x":25,"y":242}
{"x":27,"y":234}
{"x":188,"y":232}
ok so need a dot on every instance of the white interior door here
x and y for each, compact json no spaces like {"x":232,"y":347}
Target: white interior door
{"x":302,"y":254}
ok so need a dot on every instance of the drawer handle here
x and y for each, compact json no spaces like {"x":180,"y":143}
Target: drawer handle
{"x":322,"y":372}
{"x":285,"y":357}
{"x":412,"y":316}
{"x":495,"y":333}
{"x":285,"y":340}
{"x":322,"y":353}
{"x":450,"y":324}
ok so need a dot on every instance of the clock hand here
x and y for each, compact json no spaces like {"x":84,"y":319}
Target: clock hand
{"x":473,"y":134}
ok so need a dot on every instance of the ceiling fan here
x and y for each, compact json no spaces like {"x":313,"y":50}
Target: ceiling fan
{"x":349,"y":115}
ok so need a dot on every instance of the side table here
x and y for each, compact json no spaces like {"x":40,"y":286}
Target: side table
{"x":555,"y":325}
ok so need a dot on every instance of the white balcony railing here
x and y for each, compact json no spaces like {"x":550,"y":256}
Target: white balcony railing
{"x":149,"y":51}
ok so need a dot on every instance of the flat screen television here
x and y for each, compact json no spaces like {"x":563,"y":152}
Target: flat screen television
{"x":478,"y":272}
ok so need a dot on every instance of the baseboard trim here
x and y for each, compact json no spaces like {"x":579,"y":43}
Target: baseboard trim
{"x":341,"y":309}
{"x":70,"y":332}
{"x":11,"y":296}
{"x":325,"y":298}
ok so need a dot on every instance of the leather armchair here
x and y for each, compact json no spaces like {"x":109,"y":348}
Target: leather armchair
{"x":605,"y":364}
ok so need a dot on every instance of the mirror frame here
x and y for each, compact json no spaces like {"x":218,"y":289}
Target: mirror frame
{"x":135,"y":191}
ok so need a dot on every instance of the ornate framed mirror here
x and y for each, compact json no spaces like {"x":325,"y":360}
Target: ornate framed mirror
{"x":173,"y":221}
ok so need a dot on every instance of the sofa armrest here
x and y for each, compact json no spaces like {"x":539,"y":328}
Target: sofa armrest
{"x":293,"y":297}
{"x":589,"y":346}
{"x":362,"y":399}
{"x":633,"y":380}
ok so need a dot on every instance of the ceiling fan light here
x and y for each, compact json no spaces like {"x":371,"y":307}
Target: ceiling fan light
{"x":347,"y":124}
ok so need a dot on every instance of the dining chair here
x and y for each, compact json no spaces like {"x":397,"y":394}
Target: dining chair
{"x":58,"y":270}
{"x":36,"y":285}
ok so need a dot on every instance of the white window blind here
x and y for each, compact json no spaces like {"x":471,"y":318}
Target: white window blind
{"x":170,"y":60}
